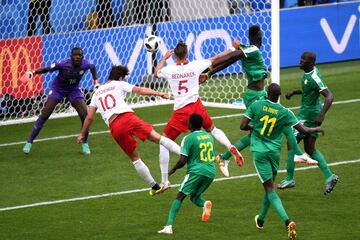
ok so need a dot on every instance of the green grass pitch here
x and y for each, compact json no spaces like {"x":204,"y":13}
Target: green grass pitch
{"x":56,"y":170}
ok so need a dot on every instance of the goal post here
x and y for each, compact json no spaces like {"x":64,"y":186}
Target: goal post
{"x":113,"y":34}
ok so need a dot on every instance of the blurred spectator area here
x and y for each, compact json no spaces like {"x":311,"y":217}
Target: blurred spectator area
{"x":65,"y":16}
{"x":70,"y":15}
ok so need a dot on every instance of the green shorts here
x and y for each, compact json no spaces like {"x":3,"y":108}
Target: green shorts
{"x":266,"y":164}
{"x":251,"y":96}
{"x":194,"y":185}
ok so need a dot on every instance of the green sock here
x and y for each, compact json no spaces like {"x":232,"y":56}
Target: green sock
{"x":198,"y":201}
{"x":277,"y":205}
{"x":264,"y":207}
{"x":240,"y":145}
{"x":176,"y":205}
{"x":292,"y":140}
{"x":317,"y":155}
{"x":290,"y":165}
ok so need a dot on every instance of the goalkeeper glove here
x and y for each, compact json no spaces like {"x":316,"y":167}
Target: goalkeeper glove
{"x":27,"y":76}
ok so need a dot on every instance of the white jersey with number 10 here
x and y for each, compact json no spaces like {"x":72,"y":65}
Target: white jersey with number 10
{"x":109,"y":99}
{"x":184,"y":81}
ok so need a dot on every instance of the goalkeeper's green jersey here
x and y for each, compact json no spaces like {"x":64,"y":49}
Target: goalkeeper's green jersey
{"x":268,"y":120}
{"x":198,"y":146}
{"x":312,"y":85}
{"x":253,"y":63}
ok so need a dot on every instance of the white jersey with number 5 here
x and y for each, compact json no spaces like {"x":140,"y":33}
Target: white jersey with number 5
{"x":109,"y":99}
{"x":184,"y":81}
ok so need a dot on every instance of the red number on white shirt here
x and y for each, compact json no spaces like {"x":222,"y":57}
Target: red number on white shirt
{"x":182,"y":87}
{"x":108,"y":102}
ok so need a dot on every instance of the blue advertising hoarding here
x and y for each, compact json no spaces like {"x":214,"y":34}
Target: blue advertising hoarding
{"x":332,"y":31}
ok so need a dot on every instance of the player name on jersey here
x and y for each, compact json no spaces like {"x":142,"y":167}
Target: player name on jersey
{"x":182,"y":75}
{"x":270,"y":110}
{"x":99,"y":92}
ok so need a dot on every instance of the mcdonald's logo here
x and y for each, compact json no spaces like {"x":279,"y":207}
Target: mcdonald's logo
{"x":14,"y":59}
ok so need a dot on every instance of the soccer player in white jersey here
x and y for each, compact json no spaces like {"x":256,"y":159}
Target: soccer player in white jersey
{"x":183,"y":79}
{"x":123,"y":122}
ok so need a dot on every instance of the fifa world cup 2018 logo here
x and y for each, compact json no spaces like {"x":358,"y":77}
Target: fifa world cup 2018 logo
{"x":6,"y":53}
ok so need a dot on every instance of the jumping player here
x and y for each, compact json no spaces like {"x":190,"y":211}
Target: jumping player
{"x":256,"y":74}
{"x":183,"y":79}
{"x":109,"y":99}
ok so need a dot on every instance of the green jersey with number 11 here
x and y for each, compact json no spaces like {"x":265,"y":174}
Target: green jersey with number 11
{"x":198,"y":146}
{"x":268,"y":120}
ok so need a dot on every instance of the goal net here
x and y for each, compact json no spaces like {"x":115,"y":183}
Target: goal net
{"x":40,"y":33}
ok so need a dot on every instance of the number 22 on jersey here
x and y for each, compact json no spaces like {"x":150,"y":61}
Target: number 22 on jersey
{"x":267,"y":120}
{"x":207,"y":152}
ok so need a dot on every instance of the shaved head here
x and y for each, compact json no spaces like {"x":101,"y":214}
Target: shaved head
{"x":274,"y":92}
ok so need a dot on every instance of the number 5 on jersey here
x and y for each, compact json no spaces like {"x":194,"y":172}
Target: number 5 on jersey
{"x":182,"y":87}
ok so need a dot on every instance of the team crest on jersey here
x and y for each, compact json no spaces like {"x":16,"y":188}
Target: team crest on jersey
{"x":306,"y":81}
{"x":81,"y":72}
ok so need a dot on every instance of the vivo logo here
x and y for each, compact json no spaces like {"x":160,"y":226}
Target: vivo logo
{"x":190,"y":40}
{"x":339,"y":47}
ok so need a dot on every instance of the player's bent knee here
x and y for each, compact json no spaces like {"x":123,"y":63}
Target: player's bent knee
{"x":154,"y":136}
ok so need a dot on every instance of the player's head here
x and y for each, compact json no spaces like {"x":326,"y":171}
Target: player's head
{"x":118,"y":73}
{"x":77,"y":55}
{"x":255,"y":35}
{"x":274,"y":92}
{"x":181,"y":51}
{"x":307,"y":61}
{"x":195,"y":122}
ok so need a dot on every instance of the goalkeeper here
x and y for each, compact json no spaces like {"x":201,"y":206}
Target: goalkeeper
{"x":65,"y":85}
{"x":256,"y":74}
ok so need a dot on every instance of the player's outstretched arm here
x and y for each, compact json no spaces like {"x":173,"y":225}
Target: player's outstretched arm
{"x":291,"y":93}
{"x":302,"y":129}
{"x":235,"y":46}
{"x":30,"y":74}
{"x":149,"y":92}
{"x":329,"y":98}
{"x":181,"y":163}
{"x":162,"y":62}
{"x":88,"y":120}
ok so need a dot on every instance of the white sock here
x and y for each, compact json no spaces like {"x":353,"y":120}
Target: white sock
{"x":164,"y":159}
{"x":144,"y":172}
{"x":221,"y":137}
{"x":170,"y":145}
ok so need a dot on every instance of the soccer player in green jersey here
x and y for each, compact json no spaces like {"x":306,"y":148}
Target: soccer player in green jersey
{"x":312,"y":113}
{"x":197,"y":150}
{"x":256,"y":74}
{"x":267,"y":120}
